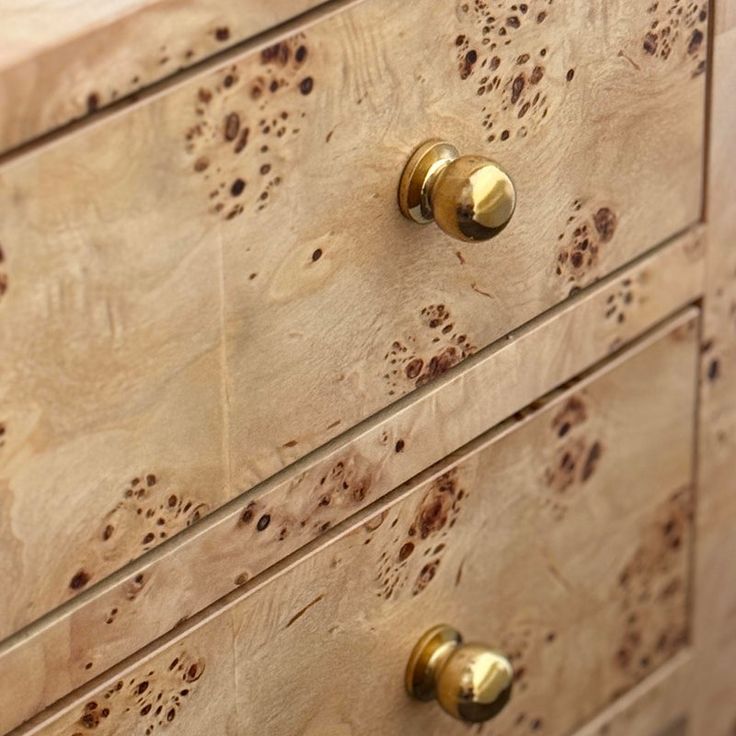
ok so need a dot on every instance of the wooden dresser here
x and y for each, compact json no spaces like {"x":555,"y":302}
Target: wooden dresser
{"x":368,"y":367}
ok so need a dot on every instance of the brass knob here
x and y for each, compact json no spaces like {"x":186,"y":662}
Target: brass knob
{"x":470,"y":681}
{"x":470,"y":197}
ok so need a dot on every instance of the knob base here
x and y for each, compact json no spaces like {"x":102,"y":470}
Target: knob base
{"x":427,"y":658}
{"x":417,"y":178}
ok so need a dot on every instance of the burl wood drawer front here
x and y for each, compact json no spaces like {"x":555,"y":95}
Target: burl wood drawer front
{"x":201,"y":289}
{"x":337,"y":305}
{"x":563,"y":538}
{"x":62,"y":61}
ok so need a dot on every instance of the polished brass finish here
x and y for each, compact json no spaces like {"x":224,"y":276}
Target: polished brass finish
{"x":470,"y":197}
{"x":470,"y":681}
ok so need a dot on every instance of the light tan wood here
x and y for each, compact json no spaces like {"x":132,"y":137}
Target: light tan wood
{"x":223,"y":552}
{"x":659,"y":706}
{"x":319,"y":647}
{"x":126,"y":256}
{"x":715,"y":604}
{"x":63,"y":60}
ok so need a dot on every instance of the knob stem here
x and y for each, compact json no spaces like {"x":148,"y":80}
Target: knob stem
{"x":417,"y":181}
{"x":428,"y":658}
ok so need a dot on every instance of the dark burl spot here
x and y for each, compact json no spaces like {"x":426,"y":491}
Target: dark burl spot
{"x":439,"y":364}
{"x":306,"y":85}
{"x":650,"y":44}
{"x":695,"y":42}
{"x":222,"y":33}
{"x":263,"y":522}
{"x":517,"y":88}
{"x":714,"y":369}
{"x":436,"y":506}
{"x":317,"y":254}
{"x":93,"y":102}
{"x":242,"y":141}
{"x":242,"y":579}
{"x":301,"y":54}
{"x":570,"y":75}
{"x":90,"y":720}
{"x":92,"y":715}
{"x":232,"y":126}
{"x":194,"y":672}
{"x":605,"y":222}
{"x":414,"y":368}
{"x":425,"y":577}
{"x":434,"y":518}
{"x":591,"y":460}
{"x":278,"y":53}
{"x":537,"y":74}
{"x":400,"y":446}
{"x":237,"y":187}
{"x":79,"y":580}
{"x":572,"y":414}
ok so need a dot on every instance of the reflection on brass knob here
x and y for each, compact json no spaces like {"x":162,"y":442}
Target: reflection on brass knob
{"x":470,"y":197}
{"x":470,"y":681}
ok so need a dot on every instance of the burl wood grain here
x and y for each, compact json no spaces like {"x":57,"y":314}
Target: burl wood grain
{"x":715,"y":604}
{"x":207,"y":286}
{"x":503,"y":539}
{"x":60,"y":61}
{"x":659,"y":706}
{"x":227,"y":549}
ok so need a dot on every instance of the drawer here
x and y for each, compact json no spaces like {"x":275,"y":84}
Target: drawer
{"x":78,"y":57}
{"x":230,"y":248}
{"x":562,"y":538}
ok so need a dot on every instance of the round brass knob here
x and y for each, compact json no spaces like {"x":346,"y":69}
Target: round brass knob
{"x":470,"y":197}
{"x":470,"y":681}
